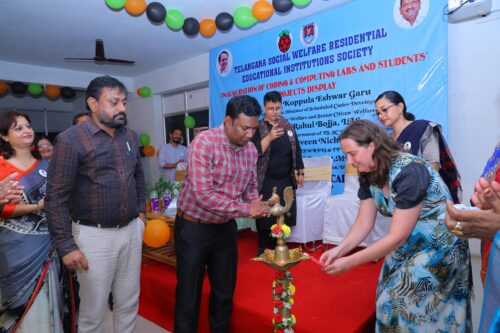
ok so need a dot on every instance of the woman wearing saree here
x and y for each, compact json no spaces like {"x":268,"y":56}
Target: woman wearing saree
{"x":30,"y":294}
{"x":422,"y":138}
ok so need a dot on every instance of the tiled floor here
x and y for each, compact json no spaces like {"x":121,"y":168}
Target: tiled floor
{"x":145,"y":326}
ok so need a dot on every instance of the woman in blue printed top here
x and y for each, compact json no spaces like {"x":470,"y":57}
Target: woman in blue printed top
{"x":424,"y":282}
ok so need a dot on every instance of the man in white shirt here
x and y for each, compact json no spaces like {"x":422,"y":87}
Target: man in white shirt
{"x":171,"y":155}
{"x":223,"y":61}
{"x":411,"y":14}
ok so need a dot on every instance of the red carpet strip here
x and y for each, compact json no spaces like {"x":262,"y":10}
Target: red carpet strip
{"x":323,"y":303}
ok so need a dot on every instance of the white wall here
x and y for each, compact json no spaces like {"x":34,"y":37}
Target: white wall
{"x":10,"y":71}
{"x":59,"y":112}
{"x":474,"y":93}
{"x":145,"y":116}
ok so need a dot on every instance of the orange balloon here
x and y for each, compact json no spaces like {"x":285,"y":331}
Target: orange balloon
{"x":135,"y":7}
{"x":4,"y":87}
{"x":149,"y":150}
{"x":262,"y":10}
{"x":52,"y":91}
{"x":157,"y":233}
{"x":138,"y":91}
{"x":207,"y":27}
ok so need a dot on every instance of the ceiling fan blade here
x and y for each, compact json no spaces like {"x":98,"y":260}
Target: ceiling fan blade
{"x":120,"y":61}
{"x":80,"y":59}
{"x":99,"y":56}
{"x":99,"y":48}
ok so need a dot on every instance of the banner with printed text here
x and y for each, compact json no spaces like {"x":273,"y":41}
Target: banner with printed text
{"x":330,"y":68}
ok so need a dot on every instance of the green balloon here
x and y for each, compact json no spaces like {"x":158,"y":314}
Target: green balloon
{"x":243,"y":17}
{"x":146,"y":91}
{"x":144,"y":139}
{"x":301,"y":3}
{"x":115,"y":4}
{"x":189,"y":122}
{"x":174,"y":19}
{"x":35,"y":89}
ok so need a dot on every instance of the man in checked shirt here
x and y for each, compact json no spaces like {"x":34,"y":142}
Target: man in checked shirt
{"x":220,"y":185}
{"x":95,"y":203}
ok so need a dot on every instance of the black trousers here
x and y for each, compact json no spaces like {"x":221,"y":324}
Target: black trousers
{"x":198,"y":246}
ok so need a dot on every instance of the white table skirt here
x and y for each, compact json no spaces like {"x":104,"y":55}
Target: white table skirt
{"x":340,"y":214}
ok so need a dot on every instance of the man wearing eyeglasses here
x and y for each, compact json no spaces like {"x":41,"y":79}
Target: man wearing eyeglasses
{"x":410,"y":12}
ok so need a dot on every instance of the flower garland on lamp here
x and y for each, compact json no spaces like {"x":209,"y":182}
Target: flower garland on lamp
{"x":283,"y":290}
{"x":278,"y":231}
{"x":282,"y":259}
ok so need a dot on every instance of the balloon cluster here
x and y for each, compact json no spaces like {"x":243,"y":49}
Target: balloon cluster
{"x":244,"y":17}
{"x":52,"y":91}
{"x":146,"y":149}
{"x":144,"y":91}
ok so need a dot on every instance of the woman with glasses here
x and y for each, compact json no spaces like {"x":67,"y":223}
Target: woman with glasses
{"x":30,"y":293}
{"x":279,"y":165}
{"x":419,"y":137}
{"x":44,"y":147}
{"x":424,"y":284}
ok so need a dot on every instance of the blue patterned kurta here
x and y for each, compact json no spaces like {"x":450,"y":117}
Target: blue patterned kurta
{"x":424,"y":284}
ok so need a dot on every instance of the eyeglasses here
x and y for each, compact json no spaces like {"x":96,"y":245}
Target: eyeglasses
{"x":45,"y":146}
{"x":384,"y":110}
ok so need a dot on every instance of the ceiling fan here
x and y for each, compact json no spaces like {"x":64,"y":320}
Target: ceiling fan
{"x":99,"y":56}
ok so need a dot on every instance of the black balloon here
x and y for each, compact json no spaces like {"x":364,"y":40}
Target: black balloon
{"x":224,"y":21}
{"x":67,"y":93}
{"x":282,"y":6}
{"x":156,"y":12}
{"x":18,"y":87}
{"x":191,"y":26}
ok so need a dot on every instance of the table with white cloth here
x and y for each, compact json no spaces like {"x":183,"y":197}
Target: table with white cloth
{"x":340,"y":213}
{"x":311,"y":200}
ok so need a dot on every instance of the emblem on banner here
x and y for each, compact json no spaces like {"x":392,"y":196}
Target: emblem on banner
{"x":309,"y":33}
{"x":284,"y":40}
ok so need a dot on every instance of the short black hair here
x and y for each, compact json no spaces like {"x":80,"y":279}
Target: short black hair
{"x":272,"y":96}
{"x":220,"y":54}
{"x":79,"y":115}
{"x":245,"y":104}
{"x":95,"y":87}
{"x":176,"y":129}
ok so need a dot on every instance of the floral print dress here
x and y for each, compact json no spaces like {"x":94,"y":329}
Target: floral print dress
{"x":424,"y":284}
